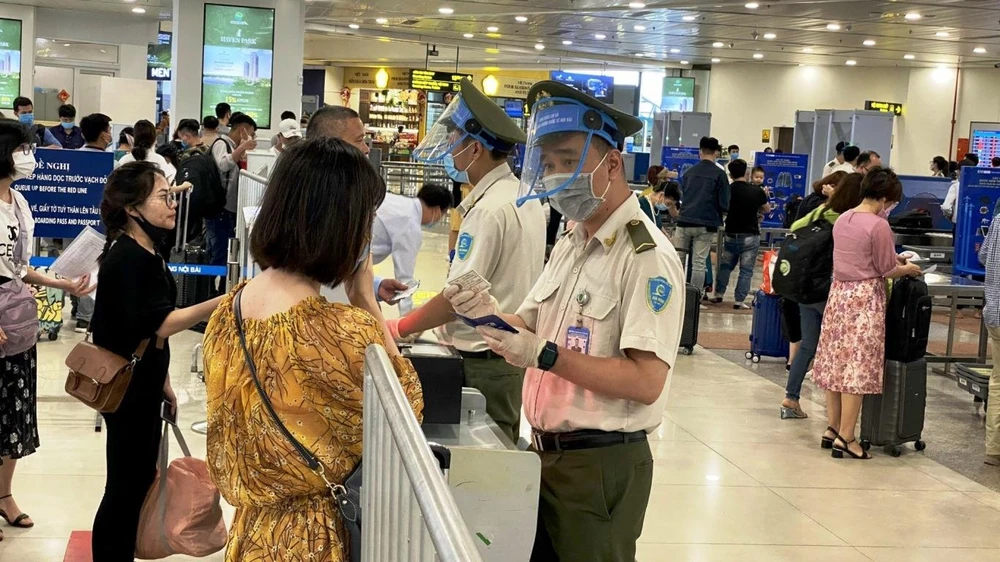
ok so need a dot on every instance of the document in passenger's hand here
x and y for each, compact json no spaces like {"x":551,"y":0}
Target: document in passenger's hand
{"x":80,"y":257}
{"x":492,"y":321}
{"x":470,"y":281}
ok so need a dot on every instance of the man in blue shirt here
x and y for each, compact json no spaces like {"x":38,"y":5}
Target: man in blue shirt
{"x":705,"y":192}
{"x":24,"y":111}
{"x":66,"y":132}
{"x":96,"y":132}
{"x":989,"y":255}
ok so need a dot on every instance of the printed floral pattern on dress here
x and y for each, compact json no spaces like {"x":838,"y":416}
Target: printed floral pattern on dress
{"x":850,"y":357}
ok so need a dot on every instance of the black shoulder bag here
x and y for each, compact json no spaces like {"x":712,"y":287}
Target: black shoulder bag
{"x":348,"y":494}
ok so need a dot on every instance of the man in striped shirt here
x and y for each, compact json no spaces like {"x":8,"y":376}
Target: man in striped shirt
{"x":989,"y":255}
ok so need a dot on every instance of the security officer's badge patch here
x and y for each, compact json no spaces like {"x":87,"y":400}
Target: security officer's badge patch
{"x":464,"y":246}
{"x":658,"y":292}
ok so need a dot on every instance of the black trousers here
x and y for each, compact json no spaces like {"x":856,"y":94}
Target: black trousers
{"x":133,"y":450}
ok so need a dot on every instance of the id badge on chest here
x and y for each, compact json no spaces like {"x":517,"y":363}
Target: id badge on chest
{"x":578,"y":335}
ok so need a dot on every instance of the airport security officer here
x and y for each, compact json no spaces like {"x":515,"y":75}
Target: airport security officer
{"x":501,"y":241}
{"x":598,"y":334}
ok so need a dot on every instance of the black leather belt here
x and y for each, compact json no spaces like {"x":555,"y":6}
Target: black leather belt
{"x":479,"y":354}
{"x":582,"y":439}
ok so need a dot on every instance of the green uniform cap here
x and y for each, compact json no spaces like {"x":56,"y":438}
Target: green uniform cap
{"x":490,"y":115}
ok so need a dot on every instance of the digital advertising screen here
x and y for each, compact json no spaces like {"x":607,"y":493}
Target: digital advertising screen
{"x":600,"y":87}
{"x":158,"y":58}
{"x":238,"y":61}
{"x":10,"y":61}
{"x":678,"y":94}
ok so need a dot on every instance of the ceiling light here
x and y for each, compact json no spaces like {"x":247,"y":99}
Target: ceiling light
{"x":492,"y":29}
{"x":869,"y":43}
{"x":567,"y":42}
{"x":354,"y":26}
{"x":651,"y":55}
{"x":640,"y":28}
{"x":381,"y":21}
{"x":685,"y":62}
{"x":446,"y":11}
{"x":942,"y":34}
{"x":493,"y":51}
{"x":675,"y":50}
{"x":718,"y":44}
{"x":911,"y":16}
{"x":909,"y":57}
{"x":539,"y":47}
{"x":833,"y":26}
{"x":770,"y":36}
{"x":851,"y":62}
{"x":521,"y":19}
{"x":65,"y":44}
{"x":716,"y":60}
{"x":639,"y":55}
{"x":979,"y":50}
{"x":751,"y":5}
{"x":138,"y":10}
{"x":468,"y":35}
{"x":689,"y":18}
{"x":758,"y":56}
{"x":385,"y":40}
{"x":600,"y":36}
{"x":807,"y":50}
{"x":636,"y":5}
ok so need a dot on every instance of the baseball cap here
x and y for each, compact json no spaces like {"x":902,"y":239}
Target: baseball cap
{"x":289,"y":128}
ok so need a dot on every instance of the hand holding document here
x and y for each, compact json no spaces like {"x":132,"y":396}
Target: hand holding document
{"x":80,"y":258}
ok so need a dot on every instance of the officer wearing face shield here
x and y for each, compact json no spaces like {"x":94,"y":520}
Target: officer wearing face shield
{"x":598,"y":333}
{"x":500,"y":240}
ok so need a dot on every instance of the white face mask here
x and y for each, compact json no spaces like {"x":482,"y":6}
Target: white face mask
{"x":24,"y":165}
{"x":577,"y":201}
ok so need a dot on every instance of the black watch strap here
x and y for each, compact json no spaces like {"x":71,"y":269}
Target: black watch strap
{"x":547,"y":358}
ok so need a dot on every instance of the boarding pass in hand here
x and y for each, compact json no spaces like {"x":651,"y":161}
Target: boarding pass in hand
{"x":470,"y":281}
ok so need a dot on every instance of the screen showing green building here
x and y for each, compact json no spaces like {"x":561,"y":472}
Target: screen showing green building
{"x":238,"y":61}
{"x":678,"y":94}
{"x":10,"y":61}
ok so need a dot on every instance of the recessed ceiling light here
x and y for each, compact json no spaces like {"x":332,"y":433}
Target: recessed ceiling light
{"x":567,"y":42}
{"x":807,"y":50}
{"x":942,"y":34}
{"x":520,"y":19}
{"x":718,"y":44}
{"x":851,"y":62}
{"x":689,"y":18}
{"x":636,"y":5}
{"x":385,"y":40}
{"x":758,"y":55}
{"x":640,"y":28}
{"x":600,"y":36}
{"x":979,"y":50}
{"x":492,"y":29}
{"x":539,"y":47}
{"x":751,"y":5}
{"x":909,"y":57}
{"x":716,"y":60}
{"x":640,"y":55}
{"x":911,"y":16}
{"x":65,"y":44}
{"x":381,"y":21}
{"x":492,"y":51}
{"x":650,"y":55}
{"x":770,"y":36}
{"x":468,"y":35}
{"x":446,"y":11}
{"x":685,"y":62}
{"x":675,"y":50}
{"x":833,"y":26}
{"x":354,"y":26}
{"x":138,"y":10}
{"x":869,"y":43}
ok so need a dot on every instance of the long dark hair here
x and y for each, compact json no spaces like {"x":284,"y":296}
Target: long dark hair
{"x":143,"y":139}
{"x":128,"y":186}
{"x":12,"y":135}
{"x":941,"y":164}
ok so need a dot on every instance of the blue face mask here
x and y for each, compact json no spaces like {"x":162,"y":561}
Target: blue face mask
{"x":26,"y":118}
{"x":661,"y":207}
{"x":68,"y":126}
{"x":185,"y":146}
{"x":734,"y":156}
{"x":461,"y":176}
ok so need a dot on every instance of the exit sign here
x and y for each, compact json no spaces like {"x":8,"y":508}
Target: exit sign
{"x":884,"y":107}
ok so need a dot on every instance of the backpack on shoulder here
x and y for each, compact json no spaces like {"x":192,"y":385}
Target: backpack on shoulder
{"x":208,"y":194}
{"x":804,"y":272}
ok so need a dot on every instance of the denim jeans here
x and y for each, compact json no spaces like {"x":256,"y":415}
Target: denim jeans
{"x":738,"y":249}
{"x":699,"y":240}
{"x":812,"y":322}
{"x":85,"y":310}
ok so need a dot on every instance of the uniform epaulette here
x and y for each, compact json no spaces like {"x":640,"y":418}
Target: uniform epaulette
{"x":642,"y":240}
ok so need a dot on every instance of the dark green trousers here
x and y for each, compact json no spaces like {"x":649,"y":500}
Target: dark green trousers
{"x":501,"y":384}
{"x":593,"y":503}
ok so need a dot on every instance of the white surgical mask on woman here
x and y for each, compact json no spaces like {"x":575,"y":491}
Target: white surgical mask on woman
{"x":24,"y":164}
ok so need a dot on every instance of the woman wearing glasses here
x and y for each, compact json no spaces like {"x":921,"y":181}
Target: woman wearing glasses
{"x":135,"y":303}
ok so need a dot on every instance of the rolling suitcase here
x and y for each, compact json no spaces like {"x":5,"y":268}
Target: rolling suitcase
{"x":692,"y":316}
{"x":191,"y":289}
{"x":908,"y":320}
{"x":766,"y":337}
{"x":896,"y":416}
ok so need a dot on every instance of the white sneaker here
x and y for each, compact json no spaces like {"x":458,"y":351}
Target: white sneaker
{"x":741,"y":306}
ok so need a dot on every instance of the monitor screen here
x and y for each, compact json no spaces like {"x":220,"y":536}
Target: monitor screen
{"x":987,"y":145}
{"x":238,"y":61}
{"x":678,"y":94}
{"x":600,"y":87}
{"x":514,"y":108}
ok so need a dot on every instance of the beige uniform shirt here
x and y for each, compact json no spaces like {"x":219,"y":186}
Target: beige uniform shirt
{"x":631,"y":301}
{"x":502,"y":242}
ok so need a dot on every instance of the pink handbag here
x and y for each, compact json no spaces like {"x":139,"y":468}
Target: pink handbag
{"x":181,"y":514}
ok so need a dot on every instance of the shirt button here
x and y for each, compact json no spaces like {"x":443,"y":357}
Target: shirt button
{"x":576,"y":270}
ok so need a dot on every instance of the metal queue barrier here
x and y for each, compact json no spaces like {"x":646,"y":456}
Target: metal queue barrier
{"x":409,"y":512}
{"x":406,"y":178}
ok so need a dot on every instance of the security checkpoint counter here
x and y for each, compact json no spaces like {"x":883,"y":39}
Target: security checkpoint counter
{"x":953,"y":291}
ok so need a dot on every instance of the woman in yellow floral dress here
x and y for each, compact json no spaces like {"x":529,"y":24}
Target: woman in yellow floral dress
{"x":313,"y":229}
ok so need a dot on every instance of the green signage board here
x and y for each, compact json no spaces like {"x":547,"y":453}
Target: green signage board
{"x":238,"y":61}
{"x":10,"y":61}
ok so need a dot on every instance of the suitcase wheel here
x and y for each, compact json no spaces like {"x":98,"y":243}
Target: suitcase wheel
{"x":755,"y":359}
{"x":919,"y":445}
{"x":53,"y":335}
{"x":748,"y":355}
{"x":687,"y":350}
{"x":894,"y":451}
{"x":866,"y":445}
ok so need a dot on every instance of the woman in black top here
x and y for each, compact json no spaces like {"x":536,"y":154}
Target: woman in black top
{"x":135,"y":302}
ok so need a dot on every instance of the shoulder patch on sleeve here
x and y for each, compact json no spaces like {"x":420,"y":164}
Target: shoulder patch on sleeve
{"x":464,"y":246}
{"x":642,"y":240}
{"x":658,"y":292}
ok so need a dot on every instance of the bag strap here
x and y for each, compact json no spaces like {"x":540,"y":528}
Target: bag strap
{"x":338,"y":490}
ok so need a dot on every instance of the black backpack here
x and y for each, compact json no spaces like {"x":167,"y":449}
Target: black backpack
{"x":791,"y":211}
{"x":208,"y":194}
{"x":907,"y":320}
{"x":804,"y":271}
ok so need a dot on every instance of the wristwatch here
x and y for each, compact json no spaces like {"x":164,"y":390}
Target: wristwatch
{"x":547,"y":358}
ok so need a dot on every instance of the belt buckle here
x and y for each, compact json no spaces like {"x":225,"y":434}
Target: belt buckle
{"x":536,"y":441}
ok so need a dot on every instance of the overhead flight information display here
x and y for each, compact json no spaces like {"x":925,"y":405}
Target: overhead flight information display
{"x":238,"y":61}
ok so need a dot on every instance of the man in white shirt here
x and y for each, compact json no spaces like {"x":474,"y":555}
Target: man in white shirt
{"x":948,"y":206}
{"x":838,"y":161}
{"x":398,"y":232}
{"x":850,"y":156}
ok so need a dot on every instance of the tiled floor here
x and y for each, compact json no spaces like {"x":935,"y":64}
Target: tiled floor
{"x":732,"y":481}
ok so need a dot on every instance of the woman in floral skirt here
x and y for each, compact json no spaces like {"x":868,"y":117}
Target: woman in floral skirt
{"x":851,"y":352}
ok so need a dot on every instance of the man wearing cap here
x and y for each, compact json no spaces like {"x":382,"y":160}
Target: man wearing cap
{"x":838,"y":161}
{"x":502,"y":242}
{"x":289,"y":133}
{"x":598,"y":333}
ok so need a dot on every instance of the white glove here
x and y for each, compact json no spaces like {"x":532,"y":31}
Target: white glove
{"x":471,"y":304}
{"x":520,"y":350}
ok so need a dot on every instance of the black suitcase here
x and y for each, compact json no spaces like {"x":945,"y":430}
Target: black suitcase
{"x":442,"y":375}
{"x":907,"y":320}
{"x":896,"y":416}
{"x":191,"y":289}
{"x":692,"y":316}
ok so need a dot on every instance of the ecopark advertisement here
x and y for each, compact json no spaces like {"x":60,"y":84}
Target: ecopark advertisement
{"x":238,"y":61}
{"x":10,"y":61}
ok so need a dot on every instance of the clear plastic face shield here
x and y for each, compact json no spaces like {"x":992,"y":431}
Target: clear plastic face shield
{"x":455,"y":125}
{"x":559,"y":141}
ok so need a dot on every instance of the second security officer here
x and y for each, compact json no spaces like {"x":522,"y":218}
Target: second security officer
{"x":598,"y":333}
{"x":501,"y":241}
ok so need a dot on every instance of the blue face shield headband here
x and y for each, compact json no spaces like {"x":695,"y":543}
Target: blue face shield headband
{"x":558,"y":116}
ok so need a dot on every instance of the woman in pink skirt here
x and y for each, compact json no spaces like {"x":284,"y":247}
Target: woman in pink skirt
{"x":851,"y":353}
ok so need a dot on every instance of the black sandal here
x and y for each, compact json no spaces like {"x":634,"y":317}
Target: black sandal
{"x":838,"y":453}
{"x":826,"y":442}
{"x":17,"y":522}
